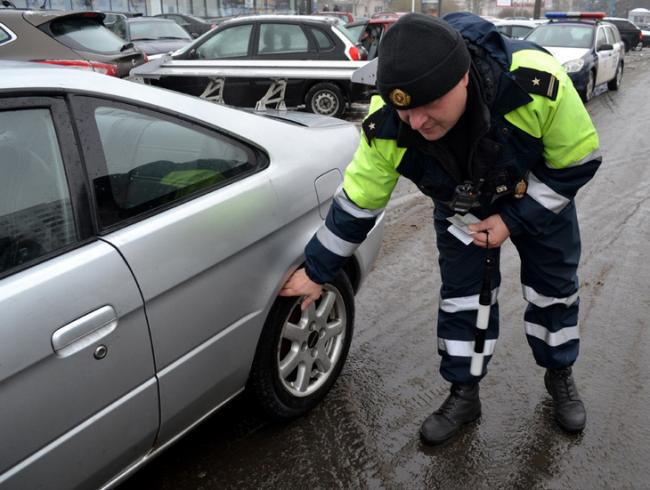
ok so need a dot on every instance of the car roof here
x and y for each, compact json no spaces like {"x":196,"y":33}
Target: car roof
{"x":133,"y":20}
{"x":281,"y":17}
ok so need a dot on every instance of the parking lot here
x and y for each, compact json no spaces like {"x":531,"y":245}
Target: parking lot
{"x":364,"y":435}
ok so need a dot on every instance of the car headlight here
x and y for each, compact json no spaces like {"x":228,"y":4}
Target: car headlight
{"x":574,"y":65}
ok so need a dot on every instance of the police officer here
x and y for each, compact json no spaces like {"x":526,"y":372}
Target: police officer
{"x":489,"y":125}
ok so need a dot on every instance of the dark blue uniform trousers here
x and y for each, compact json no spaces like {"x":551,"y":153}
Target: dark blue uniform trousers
{"x":549,"y":281}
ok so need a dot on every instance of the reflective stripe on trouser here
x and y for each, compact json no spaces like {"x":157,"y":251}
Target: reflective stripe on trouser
{"x":461,"y":270}
{"x":549,"y":279}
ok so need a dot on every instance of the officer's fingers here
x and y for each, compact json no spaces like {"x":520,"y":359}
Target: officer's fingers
{"x":306,"y":302}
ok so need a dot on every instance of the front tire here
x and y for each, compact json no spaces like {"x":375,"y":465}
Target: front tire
{"x":615,"y":83}
{"x":300,"y":354}
{"x":325,"y":99}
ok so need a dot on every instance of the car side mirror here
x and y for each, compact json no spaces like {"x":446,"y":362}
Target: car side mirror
{"x":605,"y":47}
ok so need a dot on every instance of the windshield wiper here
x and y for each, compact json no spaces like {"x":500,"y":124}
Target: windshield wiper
{"x":173,"y":37}
{"x":126,"y":46}
{"x":144,"y":39}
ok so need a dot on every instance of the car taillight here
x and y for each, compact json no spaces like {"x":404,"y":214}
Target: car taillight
{"x":145,"y":57}
{"x":353,"y":53}
{"x":105,"y":68}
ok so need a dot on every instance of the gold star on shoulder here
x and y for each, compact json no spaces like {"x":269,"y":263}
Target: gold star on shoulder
{"x":371,"y":126}
{"x":536,"y":81}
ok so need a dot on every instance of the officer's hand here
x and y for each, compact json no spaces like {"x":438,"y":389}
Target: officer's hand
{"x":491,"y":228}
{"x":299,"y":284}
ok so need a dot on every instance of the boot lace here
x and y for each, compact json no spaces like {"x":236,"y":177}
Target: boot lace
{"x":565,"y":387}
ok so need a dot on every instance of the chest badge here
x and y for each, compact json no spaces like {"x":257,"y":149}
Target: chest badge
{"x":520,"y":189}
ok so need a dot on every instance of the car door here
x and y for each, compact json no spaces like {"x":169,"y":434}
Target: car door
{"x":192,"y":212}
{"x":230,"y":43}
{"x":605,"y":57}
{"x":615,"y":41}
{"x":78,"y":395}
{"x":282,"y":41}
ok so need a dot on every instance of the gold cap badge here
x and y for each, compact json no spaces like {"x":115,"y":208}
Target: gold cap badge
{"x":399,"y":98}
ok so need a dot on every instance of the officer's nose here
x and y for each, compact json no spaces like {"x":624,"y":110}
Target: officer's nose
{"x":416,"y":118}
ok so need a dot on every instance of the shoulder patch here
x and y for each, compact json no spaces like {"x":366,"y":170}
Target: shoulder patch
{"x":373,"y":123}
{"x":537,"y":82}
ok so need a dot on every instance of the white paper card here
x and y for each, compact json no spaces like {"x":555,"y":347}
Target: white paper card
{"x":459,"y":227}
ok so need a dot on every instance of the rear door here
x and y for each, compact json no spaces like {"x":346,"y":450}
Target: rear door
{"x":78,"y":395}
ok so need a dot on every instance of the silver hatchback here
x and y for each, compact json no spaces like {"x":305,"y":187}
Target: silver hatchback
{"x":144,"y":235}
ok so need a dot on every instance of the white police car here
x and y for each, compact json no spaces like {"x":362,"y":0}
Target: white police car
{"x":590,"y":49}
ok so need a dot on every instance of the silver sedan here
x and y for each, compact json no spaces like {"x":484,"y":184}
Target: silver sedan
{"x":144,"y":236}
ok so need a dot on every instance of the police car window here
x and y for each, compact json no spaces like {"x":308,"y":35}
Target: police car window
{"x":151,"y":162}
{"x":282,"y":38}
{"x":323,"y":41}
{"x":229,"y":43}
{"x":601,"y":37}
{"x":35,"y":209}
{"x":519,"y":32}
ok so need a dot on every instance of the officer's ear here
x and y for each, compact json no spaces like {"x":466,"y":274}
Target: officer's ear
{"x":465,"y":79}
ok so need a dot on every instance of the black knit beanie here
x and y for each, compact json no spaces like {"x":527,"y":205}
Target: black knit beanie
{"x":421,"y":58}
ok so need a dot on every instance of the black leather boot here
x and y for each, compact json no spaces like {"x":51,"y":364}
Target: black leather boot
{"x":461,"y":407}
{"x":569,"y":410}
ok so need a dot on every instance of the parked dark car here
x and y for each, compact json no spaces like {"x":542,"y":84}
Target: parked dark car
{"x":73,"y":39}
{"x":630,"y":33}
{"x":152,"y":35}
{"x":194,"y":26}
{"x":275,"y":37}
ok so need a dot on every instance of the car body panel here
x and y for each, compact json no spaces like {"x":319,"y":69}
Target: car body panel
{"x":191,"y":285}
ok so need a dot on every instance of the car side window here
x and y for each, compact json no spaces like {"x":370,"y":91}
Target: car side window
{"x":609,"y":34}
{"x":324,"y":42}
{"x":282,"y":38}
{"x":229,"y":43}
{"x":5,"y":35}
{"x":35,"y":206}
{"x":151,"y":162}
{"x":520,"y":32}
{"x":601,"y":37}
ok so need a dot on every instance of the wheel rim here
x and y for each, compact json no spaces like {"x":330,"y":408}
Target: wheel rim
{"x":325,"y":103}
{"x":311,"y":343}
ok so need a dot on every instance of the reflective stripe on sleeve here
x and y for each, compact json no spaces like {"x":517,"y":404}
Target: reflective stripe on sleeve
{"x":552,"y":339}
{"x":542,"y":301}
{"x":349,"y":207}
{"x":464,"y":303}
{"x":335,"y":244}
{"x":545,"y":196}
{"x":464,"y":348}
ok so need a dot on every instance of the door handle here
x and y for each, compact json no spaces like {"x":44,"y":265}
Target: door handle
{"x":84,"y":331}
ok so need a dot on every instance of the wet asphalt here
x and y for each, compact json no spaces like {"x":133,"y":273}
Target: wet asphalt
{"x":365,"y":433}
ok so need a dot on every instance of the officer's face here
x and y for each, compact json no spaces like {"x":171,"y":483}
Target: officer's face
{"x":435,"y":119}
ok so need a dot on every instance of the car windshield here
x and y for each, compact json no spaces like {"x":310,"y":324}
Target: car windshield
{"x":563,"y":36}
{"x":85,"y":33}
{"x":142,"y":30}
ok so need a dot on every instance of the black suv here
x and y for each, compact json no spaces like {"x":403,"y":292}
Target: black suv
{"x":73,"y":39}
{"x":630,"y":33}
{"x":275,"y":37}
